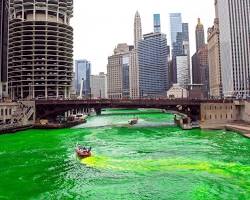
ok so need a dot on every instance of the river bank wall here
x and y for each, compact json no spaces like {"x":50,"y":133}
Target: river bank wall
{"x":16,"y":116}
{"x":228,"y":116}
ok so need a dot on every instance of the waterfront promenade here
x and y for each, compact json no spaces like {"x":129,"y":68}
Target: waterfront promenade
{"x":240,"y":127}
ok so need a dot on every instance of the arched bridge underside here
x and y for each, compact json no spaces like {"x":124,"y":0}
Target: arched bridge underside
{"x":49,"y":109}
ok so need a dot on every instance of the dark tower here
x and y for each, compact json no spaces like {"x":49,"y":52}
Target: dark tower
{"x":4,"y":24}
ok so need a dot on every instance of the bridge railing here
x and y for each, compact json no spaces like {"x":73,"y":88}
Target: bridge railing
{"x":134,"y":100}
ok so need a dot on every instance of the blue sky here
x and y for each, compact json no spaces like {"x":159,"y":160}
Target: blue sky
{"x":99,"y":25}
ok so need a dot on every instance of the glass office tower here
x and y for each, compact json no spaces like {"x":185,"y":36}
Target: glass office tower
{"x":157,"y":23}
{"x":153,"y":55}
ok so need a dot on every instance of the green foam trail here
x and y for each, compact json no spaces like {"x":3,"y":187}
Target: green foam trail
{"x":173,"y":164}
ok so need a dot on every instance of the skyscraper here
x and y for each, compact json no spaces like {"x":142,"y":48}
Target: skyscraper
{"x":137,"y":29}
{"x":98,"y":84}
{"x":199,"y":35}
{"x":4,"y":22}
{"x":133,"y":61}
{"x":214,"y":58}
{"x":82,"y":73}
{"x":186,"y":46}
{"x":234,"y":24}
{"x":185,"y":31}
{"x":200,"y":73}
{"x":175,"y":26}
{"x":157,"y":23}
{"x":118,"y":72}
{"x":183,"y":73}
{"x":180,"y":46}
{"x":196,"y":72}
{"x":200,"y":69}
{"x":40,"y":48}
{"x":153,"y":55}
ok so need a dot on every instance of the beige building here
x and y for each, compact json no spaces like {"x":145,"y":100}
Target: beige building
{"x":217,"y":115}
{"x":133,"y":63}
{"x":214,"y":60}
{"x":98,"y":85}
{"x":177,"y":92}
{"x":137,"y":29}
{"x":115,"y":71}
{"x":134,"y":75}
{"x":16,"y":114}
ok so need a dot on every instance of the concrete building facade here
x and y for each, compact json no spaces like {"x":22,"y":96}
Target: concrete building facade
{"x":134,"y":74}
{"x":153,"y":55}
{"x":183,"y":72}
{"x":4,"y":27}
{"x":200,"y":69}
{"x":133,"y":61}
{"x":196,"y":72}
{"x":214,"y":60}
{"x":40,"y":49}
{"x":177,"y":92}
{"x":17,"y":115}
{"x":137,"y":29}
{"x":204,"y":67}
{"x":234,"y":24}
{"x":217,"y":115}
{"x":98,"y":85}
{"x":117,"y":65}
{"x":82,"y":73}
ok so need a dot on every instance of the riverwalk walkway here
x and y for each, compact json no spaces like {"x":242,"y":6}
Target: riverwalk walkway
{"x":241,"y":127}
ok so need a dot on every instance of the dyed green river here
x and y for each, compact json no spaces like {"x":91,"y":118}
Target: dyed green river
{"x":151,"y":160}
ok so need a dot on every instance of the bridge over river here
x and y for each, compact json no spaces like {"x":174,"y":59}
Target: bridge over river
{"x":49,"y":109}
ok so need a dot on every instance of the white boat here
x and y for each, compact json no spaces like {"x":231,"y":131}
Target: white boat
{"x":133,"y":121}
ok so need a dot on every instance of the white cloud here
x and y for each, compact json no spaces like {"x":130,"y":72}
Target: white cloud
{"x":99,"y":25}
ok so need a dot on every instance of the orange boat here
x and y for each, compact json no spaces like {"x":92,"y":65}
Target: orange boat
{"x":83,"y":152}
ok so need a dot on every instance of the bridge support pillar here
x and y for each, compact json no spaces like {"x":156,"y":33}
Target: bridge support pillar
{"x":98,"y":111}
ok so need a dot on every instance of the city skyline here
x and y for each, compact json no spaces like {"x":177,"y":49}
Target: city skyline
{"x":97,"y":33}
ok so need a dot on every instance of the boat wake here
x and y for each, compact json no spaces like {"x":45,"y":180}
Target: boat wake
{"x":171,"y":164}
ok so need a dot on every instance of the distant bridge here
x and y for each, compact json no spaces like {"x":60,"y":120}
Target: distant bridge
{"x":49,"y":109}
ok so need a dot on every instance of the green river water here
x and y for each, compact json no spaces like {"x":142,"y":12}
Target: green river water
{"x":151,"y":160}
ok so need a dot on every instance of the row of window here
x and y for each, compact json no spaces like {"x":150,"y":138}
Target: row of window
{"x":6,"y":111}
{"x":211,"y":117}
{"x":218,"y":107}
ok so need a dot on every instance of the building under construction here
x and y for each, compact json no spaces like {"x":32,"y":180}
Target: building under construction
{"x":40,"y":49}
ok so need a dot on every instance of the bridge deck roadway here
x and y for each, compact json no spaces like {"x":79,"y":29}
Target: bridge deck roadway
{"x":129,"y":102}
{"x":52,"y":108}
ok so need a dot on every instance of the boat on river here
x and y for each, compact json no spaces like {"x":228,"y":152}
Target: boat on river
{"x":133,"y":121}
{"x":83,"y":152}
